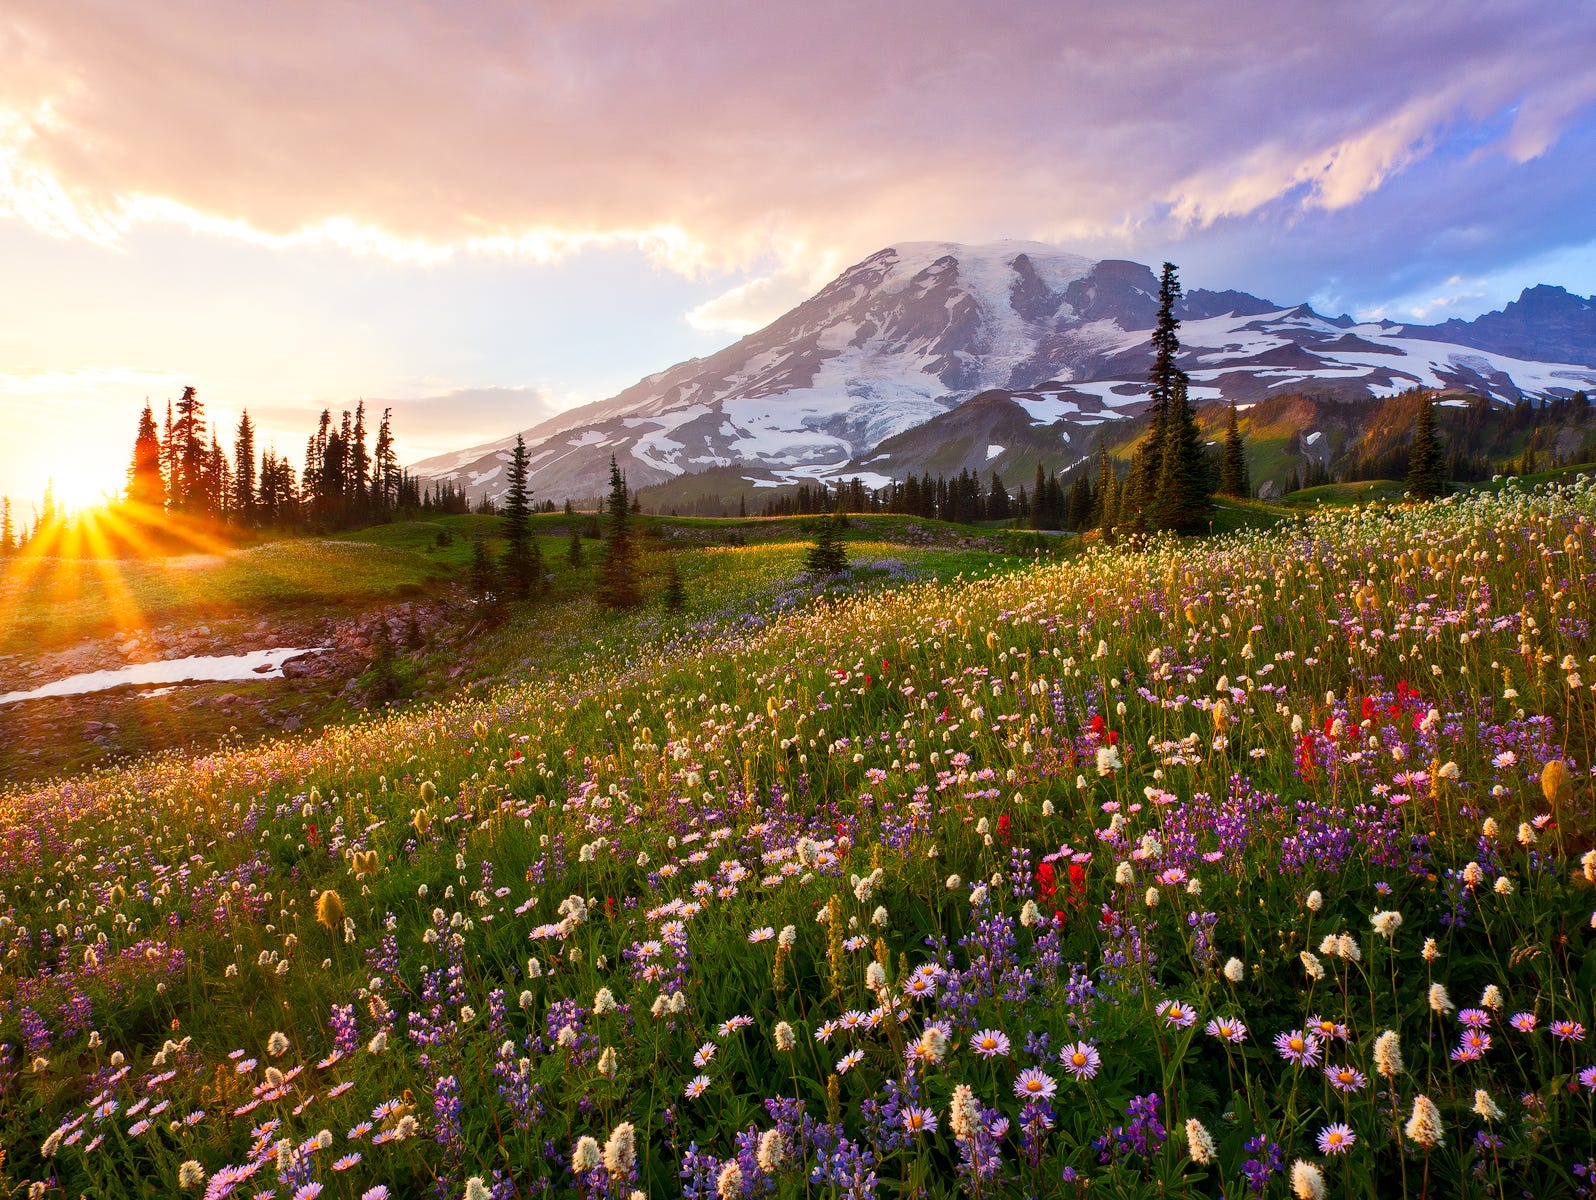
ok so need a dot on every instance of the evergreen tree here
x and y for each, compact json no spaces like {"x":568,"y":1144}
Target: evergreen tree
{"x":8,"y":533}
{"x":482,"y":573}
{"x":1039,"y":498}
{"x":1147,"y":467}
{"x":384,"y":466}
{"x":244,"y":471}
{"x":827,"y":555}
{"x":187,"y":485}
{"x":1424,"y":459}
{"x":1234,"y":477}
{"x":573,"y":552}
{"x":1183,"y":501}
{"x":522,"y":574}
{"x":358,"y":486}
{"x":144,"y":483}
{"x":617,"y":580}
{"x":998,"y":505}
{"x":675,"y":594}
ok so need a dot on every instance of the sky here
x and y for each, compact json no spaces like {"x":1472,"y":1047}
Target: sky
{"x":480,"y":214}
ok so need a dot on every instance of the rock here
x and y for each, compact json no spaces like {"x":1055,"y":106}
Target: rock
{"x":1268,"y":490}
{"x":263,"y":668}
{"x":90,"y":728}
{"x":227,"y":698}
{"x":297,"y":667}
{"x":292,"y":725}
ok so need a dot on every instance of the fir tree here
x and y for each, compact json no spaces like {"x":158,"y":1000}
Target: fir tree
{"x":1039,"y":498}
{"x":1183,"y":501}
{"x":384,"y":466}
{"x":1234,"y":477}
{"x":1424,"y":459}
{"x":482,"y":573}
{"x":186,"y":485}
{"x":144,"y":483}
{"x":573,"y":551}
{"x":1147,"y":467}
{"x":244,"y":471}
{"x":8,"y":533}
{"x":827,"y":555}
{"x":1106,"y":510}
{"x":617,"y":580}
{"x":521,"y":569}
{"x":675,"y":594}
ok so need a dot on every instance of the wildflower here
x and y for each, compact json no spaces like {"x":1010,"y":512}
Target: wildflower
{"x":1526,"y":834}
{"x":784,"y":1036}
{"x":990,"y":1043}
{"x":1485,"y":1106}
{"x":1227,"y":1029}
{"x":476,"y":1189}
{"x":705,"y":1053}
{"x":1568,"y":1031}
{"x":330,"y":909}
{"x":1431,"y":951}
{"x":607,"y":1065}
{"x":1152,"y":897}
{"x":1439,"y":1000}
{"x":849,"y":1060}
{"x":1388,"y":1054}
{"x":1503,"y":886}
{"x":1347,"y":948}
{"x":1336,"y":1139}
{"x":1178,"y":1014}
{"x":1080,"y":1059}
{"x":277,"y":1044}
{"x":604,"y":1001}
{"x":1124,"y":874}
{"x":788,"y":937}
{"x":730,"y":1184}
{"x":1031,"y":915}
{"x":1199,"y":1142}
{"x":964,"y":1114}
{"x":954,"y":882}
{"x":1035,"y":1085}
{"x":933,"y":1043}
{"x":190,"y":1174}
{"x":1473,"y":874}
{"x":1475,"y":1018}
{"x":1297,"y":1047}
{"x":697,"y":1086}
{"x":1108,"y":760}
{"x":1491,"y":997}
{"x":919,"y":1120}
{"x":1315,"y":900}
{"x":773,"y":1150}
{"x":1524,"y":1022}
{"x":1489,"y":829}
{"x":1235,"y":971}
{"x":1424,"y":1125}
{"x":586,"y":1155}
{"x":620,"y":1151}
{"x":1386,"y":923}
{"x":1311,"y":964}
{"x":1345,"y":1078}
{"x":1307,"y":1183}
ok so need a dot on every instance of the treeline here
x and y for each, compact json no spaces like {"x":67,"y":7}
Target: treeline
{"x":346,"y":477}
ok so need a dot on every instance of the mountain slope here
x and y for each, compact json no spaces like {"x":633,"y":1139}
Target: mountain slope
{"x":917,"y":330}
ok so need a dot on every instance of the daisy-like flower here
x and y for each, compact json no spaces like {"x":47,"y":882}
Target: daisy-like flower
{"x":1568,"y":1031}
{"x":990,"y":1043}
{"x":733,"y":1024}
{"x":922,"y":987}
{"x":1524,"y":1022}
{"x":1475,"y":1018}
{"x":705,"y":1053}
{"x":697,"y":1086}
{"x":919,"y":1120}
{"x":1081,"y":1059}
{"x":1346,"y":1078}
{"x":1035,"y":1085}
{"x":1326,"y":1030}
{"x":1227,"y":1029}
{"x":762,"y":935}
{"x":1177,"y":1013}
{"x":347,"y":1161}
{"x":1298,"y":1047}
{"x":1336,"y":1139}
{"x":1473,"y":1043}
{"x":849,"y":1060}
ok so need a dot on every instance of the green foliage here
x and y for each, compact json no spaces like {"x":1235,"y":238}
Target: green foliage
{"x":1425,"y":479}
{"x":827,"y":555}
{"x":1234,"y":477}
{"x":618,"y":585}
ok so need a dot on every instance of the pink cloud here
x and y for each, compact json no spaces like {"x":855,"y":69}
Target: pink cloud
{"x":717,"y":134}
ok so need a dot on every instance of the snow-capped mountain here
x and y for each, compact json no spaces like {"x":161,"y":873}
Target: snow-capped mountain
{"x":918,"y":329}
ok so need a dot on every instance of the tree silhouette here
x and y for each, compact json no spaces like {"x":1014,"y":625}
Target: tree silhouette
{"x":1425,"y":479}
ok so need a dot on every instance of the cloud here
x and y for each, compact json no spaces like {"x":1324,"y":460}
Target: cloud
{"x":715,"y":135}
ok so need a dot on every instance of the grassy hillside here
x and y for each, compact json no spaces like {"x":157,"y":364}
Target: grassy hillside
{"x":1159,"y":870}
